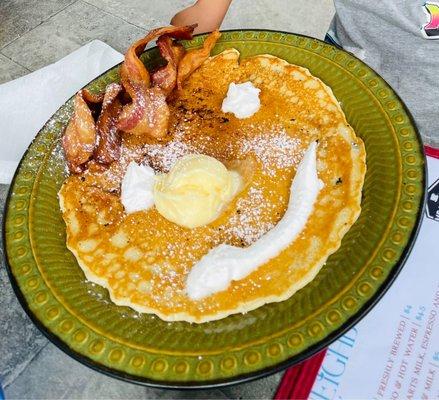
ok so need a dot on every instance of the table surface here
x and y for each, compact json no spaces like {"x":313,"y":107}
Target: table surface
{"x":34,"y":33}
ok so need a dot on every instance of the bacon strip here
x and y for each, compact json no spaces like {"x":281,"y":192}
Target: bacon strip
{"x":97,"y":144}
{"x":92,"y":98}
{"x":148,"y":113}
{"x":79,"y":139}
{"x":166,"y":77}
{"x":194,"y":58}
{"x":108,"y":148}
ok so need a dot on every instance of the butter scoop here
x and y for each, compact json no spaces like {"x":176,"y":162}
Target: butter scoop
{"x":195,"y":191}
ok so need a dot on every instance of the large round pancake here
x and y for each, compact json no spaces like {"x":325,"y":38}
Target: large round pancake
{"x":144,"y":259}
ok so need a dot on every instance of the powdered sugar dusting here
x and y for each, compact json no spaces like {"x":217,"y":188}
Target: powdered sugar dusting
{"x":163,"y":157}
{"x":275,"y":150}
{"x":247,"y":225}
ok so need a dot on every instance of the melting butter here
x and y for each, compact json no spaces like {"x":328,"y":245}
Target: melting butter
{"x":195,"y":191}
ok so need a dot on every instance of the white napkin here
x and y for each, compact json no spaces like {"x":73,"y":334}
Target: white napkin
{"x":27,"y":103}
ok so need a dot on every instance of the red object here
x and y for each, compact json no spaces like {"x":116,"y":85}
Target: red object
{"x":298,"y":381}
{"x":431,"y":151}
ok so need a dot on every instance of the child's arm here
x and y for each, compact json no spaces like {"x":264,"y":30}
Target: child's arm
{"x":208,"y":14}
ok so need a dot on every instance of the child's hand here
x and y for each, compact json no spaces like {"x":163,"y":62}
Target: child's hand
{"x":208,"y":14}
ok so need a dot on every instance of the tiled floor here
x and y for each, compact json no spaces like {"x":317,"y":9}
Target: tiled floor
{"x":34,"y":33}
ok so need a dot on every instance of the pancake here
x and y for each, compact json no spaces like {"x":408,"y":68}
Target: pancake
{"x":143,"y":259}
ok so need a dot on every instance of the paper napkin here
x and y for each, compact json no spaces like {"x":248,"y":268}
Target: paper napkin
{"x":27,"y":103}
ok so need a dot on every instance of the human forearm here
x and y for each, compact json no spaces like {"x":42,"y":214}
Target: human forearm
{"x":208,"y":14}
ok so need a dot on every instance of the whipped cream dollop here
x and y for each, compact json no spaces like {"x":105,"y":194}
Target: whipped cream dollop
{"x":225,"y":263}
{"x":137,"y":189}
{"x":242,"y":100}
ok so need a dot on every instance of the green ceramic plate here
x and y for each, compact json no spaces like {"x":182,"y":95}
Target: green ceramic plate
{"x":78,"y":316}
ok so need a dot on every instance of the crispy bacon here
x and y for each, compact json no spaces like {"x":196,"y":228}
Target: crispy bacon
{"x":194,"y":58}
{"x":108,"y":148}
{"x":166,"y":77}
{"x":79,"y":139}
{"x":138,"y":106}
{"x":92,"y":98}
{"x":148,"y":113}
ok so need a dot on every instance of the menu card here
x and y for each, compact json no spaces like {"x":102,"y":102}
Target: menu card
{"x":393,"y":353}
